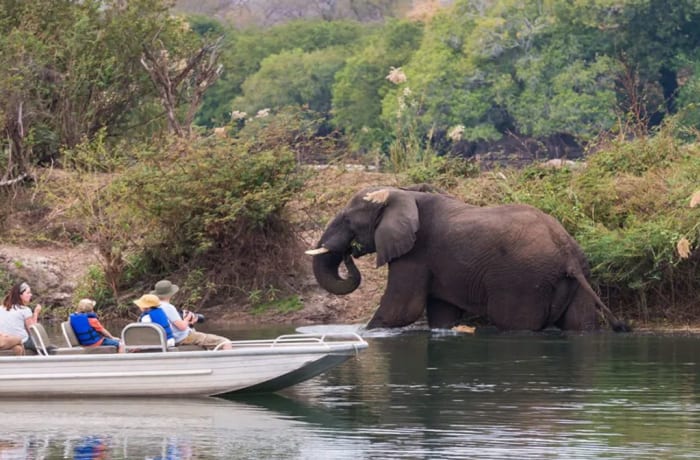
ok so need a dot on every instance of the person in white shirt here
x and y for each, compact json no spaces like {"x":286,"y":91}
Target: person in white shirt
{"x":15,"y":315}
{"x":183,"y":333}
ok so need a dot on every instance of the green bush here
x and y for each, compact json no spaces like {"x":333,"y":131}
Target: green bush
{"x":216,"y":205}
{"x":94,"y":286}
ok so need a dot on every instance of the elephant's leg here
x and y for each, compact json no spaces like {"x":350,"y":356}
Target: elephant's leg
{"x":563,"y":295}
{"x":405,"y":296}
{"x":519,"y":309}
{"x":441,"y":314}
{"x":581,"y":315}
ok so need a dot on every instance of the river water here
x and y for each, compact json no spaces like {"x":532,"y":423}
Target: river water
{"x":414,"y":395}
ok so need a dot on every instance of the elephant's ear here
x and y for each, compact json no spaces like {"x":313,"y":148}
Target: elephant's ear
{"x":396,"y":231}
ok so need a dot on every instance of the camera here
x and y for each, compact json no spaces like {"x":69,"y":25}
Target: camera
{"x":199,"y":318}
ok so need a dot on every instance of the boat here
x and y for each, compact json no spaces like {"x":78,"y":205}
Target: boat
{"x":251,"y":366}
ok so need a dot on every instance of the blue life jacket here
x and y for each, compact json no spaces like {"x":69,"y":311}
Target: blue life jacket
{"x":158,"y":316}
{"x":87,"y":335}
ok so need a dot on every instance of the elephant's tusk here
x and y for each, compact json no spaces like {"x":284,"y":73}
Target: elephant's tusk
{"x":317,"y":251}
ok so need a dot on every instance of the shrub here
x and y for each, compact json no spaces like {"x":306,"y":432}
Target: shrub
{"x":217,"y":205}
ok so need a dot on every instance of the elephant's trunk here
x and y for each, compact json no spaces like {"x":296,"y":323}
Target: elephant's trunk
{"x":326,"y":273}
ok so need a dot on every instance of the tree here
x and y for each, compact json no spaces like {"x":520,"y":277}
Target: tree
{"x":71,"y":68}
{"x":292,"y":78}
{"x":361,"y":84}
{"x":243,"y":52}
{"x":182,"y":81}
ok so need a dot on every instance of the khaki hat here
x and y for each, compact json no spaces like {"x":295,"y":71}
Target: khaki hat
{"x":165,"y":288}
{"x":147,"y":301}
{"x":86,"y":305}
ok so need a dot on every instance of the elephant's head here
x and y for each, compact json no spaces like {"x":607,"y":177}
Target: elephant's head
{"x":381,"y":220}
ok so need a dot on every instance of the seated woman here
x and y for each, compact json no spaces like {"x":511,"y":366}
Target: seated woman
{"x":15,"y":315}
{"x":151,"y":312}
{"x":88,"y":329}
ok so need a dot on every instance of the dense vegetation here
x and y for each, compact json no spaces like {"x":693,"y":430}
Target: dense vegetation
{"x":178,"y":141}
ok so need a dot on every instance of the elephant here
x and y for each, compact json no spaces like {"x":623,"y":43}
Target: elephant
{"x":513,"y":265}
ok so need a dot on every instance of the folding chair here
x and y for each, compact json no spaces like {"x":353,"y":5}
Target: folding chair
{"x":43,"y":343}
{"x":73,"y":342}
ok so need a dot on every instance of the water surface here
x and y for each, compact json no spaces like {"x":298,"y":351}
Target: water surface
{"x":413,"y":395}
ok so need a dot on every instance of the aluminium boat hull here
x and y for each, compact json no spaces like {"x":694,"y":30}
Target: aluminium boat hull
{"x":252,"y":366}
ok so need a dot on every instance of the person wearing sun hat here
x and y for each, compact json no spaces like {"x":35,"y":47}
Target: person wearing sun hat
{"x":152,"y":312}
{"x":182,"y":330}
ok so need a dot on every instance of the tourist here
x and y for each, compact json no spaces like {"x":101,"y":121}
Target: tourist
{"x":151,"y":312}
{"x":15,"y":315}
{"x":182,"y":330}
{"x":88,"y":329}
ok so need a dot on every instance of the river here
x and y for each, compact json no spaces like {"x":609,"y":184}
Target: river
{"x":418,"y":394}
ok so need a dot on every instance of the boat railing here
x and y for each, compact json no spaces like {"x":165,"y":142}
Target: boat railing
{"x":286,"y":340}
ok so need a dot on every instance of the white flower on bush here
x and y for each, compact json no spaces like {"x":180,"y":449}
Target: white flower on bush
{"x":695,"y":199}
{"x":683,"y":248}
{"x":396,"y":76}
{"x":262,"y":113}
{"x":455,"y":133}
{"x":238,"y":115}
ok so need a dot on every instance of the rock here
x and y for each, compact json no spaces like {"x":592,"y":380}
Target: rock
{"x":53,"y":273}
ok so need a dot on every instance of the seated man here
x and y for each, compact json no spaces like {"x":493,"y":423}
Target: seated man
{"x":182,"y":330}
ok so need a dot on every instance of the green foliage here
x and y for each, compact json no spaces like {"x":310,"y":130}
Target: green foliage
{"x":244,"y":52}
{"x":94,"y":286}
{"x":640,"y":155}
{"x":292,"y":78}
{"x":6,"y":282}
{"x":444,"y":172}
{"x":73,"y":68}
{"x":202,"y":193}
{"x":361,"y":84}
{"x":275,"y":305}
{"x":197,"y":288}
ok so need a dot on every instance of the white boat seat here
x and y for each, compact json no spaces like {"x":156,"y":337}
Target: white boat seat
{"x":144,"y":337}
{"x":43,"y":343}
{"x":140,"y":337}
{"x":72,"y":341}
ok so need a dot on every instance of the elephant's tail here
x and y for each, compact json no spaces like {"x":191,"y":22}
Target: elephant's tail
{"x":616,"y":324}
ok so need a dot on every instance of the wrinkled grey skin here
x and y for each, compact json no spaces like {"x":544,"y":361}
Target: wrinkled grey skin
{"x":513,"y":264}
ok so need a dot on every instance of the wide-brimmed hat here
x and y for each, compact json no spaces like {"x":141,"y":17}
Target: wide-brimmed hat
{"x":147,"y":301}
{"x":165,"y":288}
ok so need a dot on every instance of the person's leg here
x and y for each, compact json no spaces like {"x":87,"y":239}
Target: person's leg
{"x":12,"y":343}
{"x":208,"y":341}
{"x":29,"y":345}
{"x":18,"y":350}
{"x":113,"y":343}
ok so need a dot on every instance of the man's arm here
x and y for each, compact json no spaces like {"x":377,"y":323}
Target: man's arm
{"x":96,"y":325}
{"x":175,"y":319}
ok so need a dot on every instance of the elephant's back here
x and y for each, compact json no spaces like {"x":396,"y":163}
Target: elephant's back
{"x":515,"y":234}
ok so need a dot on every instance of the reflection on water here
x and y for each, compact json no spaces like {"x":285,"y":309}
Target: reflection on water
{"x":520,"y":396}
{"x":415,"y":395}
{"x":158,"y":429}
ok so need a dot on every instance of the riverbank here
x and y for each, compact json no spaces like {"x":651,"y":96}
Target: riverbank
{"x":56,"y":266}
